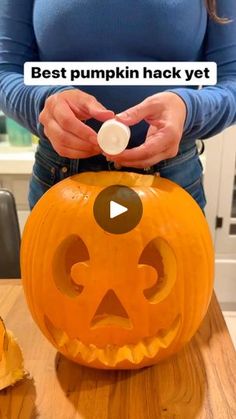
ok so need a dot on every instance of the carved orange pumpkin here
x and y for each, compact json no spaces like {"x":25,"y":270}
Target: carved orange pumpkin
{"x":117,"y":300}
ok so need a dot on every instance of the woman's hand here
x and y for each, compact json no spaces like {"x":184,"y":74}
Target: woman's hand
{"x":166,"y":113}
{"x":62,"y":118}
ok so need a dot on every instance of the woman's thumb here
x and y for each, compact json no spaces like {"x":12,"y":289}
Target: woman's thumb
{"x":98,"y":111}
{"x":133,"y":115}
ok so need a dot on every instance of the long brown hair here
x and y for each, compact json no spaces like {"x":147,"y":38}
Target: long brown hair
{"x":212,"y":10}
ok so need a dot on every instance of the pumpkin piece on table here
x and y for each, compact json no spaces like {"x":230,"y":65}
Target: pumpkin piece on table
{"x":11,"y":359}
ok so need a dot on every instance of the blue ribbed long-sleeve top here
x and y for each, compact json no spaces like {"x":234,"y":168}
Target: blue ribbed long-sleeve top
{"x":132,"y":30}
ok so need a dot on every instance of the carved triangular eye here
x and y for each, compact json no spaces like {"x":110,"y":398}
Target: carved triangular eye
{"x":70,"y":252}
{"x":158,"y":255}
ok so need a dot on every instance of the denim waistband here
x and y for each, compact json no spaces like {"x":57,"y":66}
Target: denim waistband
{"x":98,"y":163}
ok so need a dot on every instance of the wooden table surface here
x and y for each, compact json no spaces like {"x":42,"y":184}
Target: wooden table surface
{"x":199,"y":382}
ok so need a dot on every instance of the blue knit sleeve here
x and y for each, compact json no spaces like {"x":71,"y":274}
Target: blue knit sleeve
{"x":213,"y":108}
{"x":18,"y":45}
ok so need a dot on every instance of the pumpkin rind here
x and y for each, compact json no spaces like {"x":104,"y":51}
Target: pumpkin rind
{"x":160,"y":274}
{"x":11,"y":359}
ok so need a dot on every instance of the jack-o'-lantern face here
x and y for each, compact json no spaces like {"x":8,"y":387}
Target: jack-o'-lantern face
{"x":117,"y":300}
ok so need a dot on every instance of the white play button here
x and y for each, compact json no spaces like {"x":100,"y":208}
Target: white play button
{"x":116,"y":209}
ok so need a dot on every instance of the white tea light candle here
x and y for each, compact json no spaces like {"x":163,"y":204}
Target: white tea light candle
{"x":113,"y":137}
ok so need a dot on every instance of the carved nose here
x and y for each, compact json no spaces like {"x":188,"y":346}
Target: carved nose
{"x":111,"y":312}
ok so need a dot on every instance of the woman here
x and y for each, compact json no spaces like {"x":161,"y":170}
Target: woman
{"x":165,"y":123}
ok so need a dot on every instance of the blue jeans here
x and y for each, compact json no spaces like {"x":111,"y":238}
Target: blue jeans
{"x":185,"y":169}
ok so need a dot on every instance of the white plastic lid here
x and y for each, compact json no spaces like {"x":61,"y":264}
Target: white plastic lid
{"x":113,"y":137}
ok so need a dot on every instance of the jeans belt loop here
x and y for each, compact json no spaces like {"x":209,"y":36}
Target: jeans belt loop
{"x":74,"y":166}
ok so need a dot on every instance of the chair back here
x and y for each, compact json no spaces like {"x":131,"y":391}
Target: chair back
{"x":9,"y":236}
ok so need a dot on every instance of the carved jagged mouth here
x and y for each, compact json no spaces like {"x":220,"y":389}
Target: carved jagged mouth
{"x":111,"y":355}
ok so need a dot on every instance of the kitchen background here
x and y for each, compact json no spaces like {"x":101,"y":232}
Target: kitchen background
{"x":17,"y":148}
